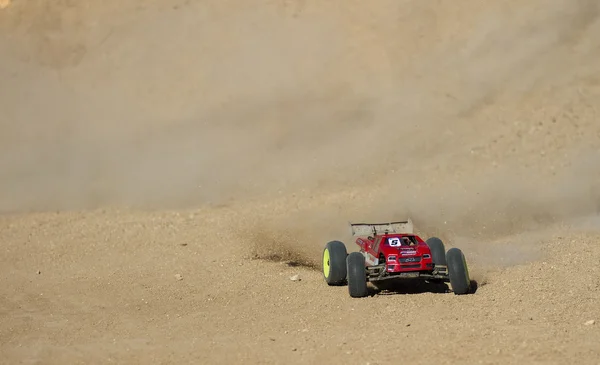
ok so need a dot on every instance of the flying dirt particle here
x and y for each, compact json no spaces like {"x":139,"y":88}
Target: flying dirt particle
{"x":4,"y":4}
{"x":178,"y":277}
{"x":295,"y":278}
{"x":590,"y":322}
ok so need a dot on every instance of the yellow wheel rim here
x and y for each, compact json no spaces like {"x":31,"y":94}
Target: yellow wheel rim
{"x":466,"y":269}
{"x":326,"y":267}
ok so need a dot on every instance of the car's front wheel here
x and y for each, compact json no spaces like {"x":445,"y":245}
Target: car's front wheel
{"x":458,"y":271}
{"x":357,"y":275}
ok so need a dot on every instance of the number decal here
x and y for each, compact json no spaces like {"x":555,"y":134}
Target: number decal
{"x":394,"y":241}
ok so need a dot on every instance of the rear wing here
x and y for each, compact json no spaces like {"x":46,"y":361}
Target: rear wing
{"x":367,"y":229}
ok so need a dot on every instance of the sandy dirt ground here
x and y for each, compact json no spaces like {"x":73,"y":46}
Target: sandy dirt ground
{"x":167,"y":166}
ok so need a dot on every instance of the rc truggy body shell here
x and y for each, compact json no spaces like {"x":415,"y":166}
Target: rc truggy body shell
{"x":399,"y":252}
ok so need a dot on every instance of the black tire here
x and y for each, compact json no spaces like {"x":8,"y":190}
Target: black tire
{"x":438,"y":251}
{"x":458,"y":271}
{"x":334,"y":263}
{"x":357,"y":275}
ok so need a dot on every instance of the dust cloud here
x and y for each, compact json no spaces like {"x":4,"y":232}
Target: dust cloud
{"x":193,"y":105}
{"x":498,"y":222}
{"x":507,"y":170}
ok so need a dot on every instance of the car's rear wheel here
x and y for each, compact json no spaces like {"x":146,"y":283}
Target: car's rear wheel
{"x":458,"y":271}
{"x":334,"y":263}
{"x":357,"y":275}
{"x":438,"y":251}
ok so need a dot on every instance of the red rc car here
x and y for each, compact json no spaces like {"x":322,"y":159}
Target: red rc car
{"x":392,"y":251}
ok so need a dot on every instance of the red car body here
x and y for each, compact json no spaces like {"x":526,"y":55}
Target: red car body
{"x":399,"y":252}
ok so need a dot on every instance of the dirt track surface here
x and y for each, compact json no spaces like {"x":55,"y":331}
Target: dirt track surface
{"x":167,"y":166}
